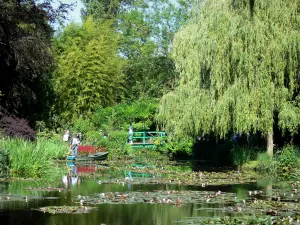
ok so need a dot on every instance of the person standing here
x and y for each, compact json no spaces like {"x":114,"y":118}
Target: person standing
{"x":66,"y":136}
{"x":130,"y":134}
{"x":75,"y":143}
{"x":79,"y":136}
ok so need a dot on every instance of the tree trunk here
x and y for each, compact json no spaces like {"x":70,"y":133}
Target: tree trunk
{"x":270,"y":145}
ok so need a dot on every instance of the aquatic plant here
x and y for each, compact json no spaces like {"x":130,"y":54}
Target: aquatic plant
{"x":32,"y":159}
{"x":243,"y":219}
{"x":172,"y":197}
{"x":145,"y":155}
{"x":66,"y":209}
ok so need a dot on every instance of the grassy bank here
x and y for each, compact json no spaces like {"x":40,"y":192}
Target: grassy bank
{"x":32,"y":159}
{"x":284,"y":164}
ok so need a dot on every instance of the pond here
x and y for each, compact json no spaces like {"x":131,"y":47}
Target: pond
{"x":98,"y":200}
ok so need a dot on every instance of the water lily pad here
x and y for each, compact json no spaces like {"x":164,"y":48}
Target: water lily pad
{"x":66,"y":209}
{"x":173,"y":197}
{"x":45,"y":189}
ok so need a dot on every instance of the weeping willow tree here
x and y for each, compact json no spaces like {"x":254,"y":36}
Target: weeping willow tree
{"x":239,"y":66}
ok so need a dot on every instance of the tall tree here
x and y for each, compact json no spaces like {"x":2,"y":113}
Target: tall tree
{"x":88,"y":73}
{"x":25,"y":59}
{"x":147,"y":29}
{"x":102,"y":9}
{"x":239,"y":66}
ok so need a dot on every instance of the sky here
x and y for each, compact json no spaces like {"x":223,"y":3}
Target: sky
{"x":72,"y":15}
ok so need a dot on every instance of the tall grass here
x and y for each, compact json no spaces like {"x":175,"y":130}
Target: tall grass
{"x":55,"y":148}
{"x":242,"y":155}
{"x":32,"y":159}
{"x":267,"y":164}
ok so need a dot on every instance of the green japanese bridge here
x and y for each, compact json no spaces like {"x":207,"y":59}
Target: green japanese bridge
{"x":144,"y":139}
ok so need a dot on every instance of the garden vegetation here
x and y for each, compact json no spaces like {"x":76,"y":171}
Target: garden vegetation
{"x":202,"y":71}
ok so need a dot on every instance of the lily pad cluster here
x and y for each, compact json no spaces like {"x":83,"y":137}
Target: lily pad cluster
{"x":45,"y":189}
{"x":66,"y":209}
{"x":158,"y":197}
{"x":242,"y":220}
{"x":274,"y":206}
{"x":13,"y":197}
{"x":202,"y":179}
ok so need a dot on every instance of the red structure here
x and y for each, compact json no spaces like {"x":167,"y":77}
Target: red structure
{"x":86,"y":169}
{"x":88,"y":149}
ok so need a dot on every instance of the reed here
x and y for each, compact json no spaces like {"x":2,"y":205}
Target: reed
{"x":31,"y":159}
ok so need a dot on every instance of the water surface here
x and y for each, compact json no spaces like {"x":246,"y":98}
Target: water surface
{"x":25,"y":213}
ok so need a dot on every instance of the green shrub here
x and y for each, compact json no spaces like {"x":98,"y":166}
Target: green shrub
{"x":140,"y":113}
{"x":116,"y":143}
{"x":288,"y":157}
{"x":95,"y":139}
{"x":48,"y":134}
{"x":173,"y":146}
{"x":241,"y":155}
{"x":83,"y":125}
{"x":267,"y":163}
{"x":288,"y":162}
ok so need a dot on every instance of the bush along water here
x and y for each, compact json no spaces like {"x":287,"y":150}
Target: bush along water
{"x":4,"y":163}
{"x":116,"y":144}
{"x":266,"y":163}
{"x":241,"y":155}
{"x":283,"y":165}
{"x":288,"y":162}
{"x":31,"y":159}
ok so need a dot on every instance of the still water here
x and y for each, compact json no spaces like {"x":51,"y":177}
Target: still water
{"x":25,"y":213}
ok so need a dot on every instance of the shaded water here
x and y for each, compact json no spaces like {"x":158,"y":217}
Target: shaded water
{"x":25,"y":213}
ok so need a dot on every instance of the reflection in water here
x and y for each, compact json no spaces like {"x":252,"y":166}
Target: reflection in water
{"x":21,"y":212}
{"x":72,"y":177}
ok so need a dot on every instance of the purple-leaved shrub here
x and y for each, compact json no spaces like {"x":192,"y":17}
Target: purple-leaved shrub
{"x":17,"y":128}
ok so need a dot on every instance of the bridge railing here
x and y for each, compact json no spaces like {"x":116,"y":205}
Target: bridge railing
{"x":147,"y":138}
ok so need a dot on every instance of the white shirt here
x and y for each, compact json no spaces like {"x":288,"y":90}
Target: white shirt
{"x":75,"y":141}
{"x":66,"y":137}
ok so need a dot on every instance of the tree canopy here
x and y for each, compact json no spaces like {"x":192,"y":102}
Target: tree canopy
{"x":147,"y":29}
{"x":25,"y":56}
{"x":239,"y":70}
{"x":88,"y":73}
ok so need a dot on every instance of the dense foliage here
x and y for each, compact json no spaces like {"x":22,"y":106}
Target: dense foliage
{"x":224,"y":68}
{"x":88,"y":73}
{"x":25,"y":57}
{"x":16,"y":128}
{"x":146,"y":29}
{"x":239,"y":70}
{"x":138,"y":113}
